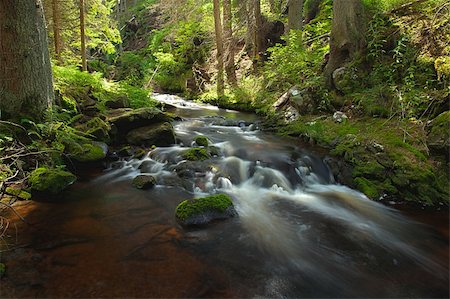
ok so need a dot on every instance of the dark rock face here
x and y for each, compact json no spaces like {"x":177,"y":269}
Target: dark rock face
{"x":156,"y":134}
{"x":118,"y":103}
{"x":144,"y":182}
{"x":124,"y":120}
{"x":438,"y":139}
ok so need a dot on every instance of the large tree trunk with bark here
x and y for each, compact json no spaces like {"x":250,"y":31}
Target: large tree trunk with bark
{"x":219,"y":44}
{"x":83,"y":38}
{"x":25,"y":72}
{"x":295,"y":14}
{"x":347,"y":35}
{"x":57,"y":30}
{"x":229,"y":45}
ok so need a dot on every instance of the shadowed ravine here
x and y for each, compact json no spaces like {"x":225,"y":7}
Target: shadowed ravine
{"x":298,"y":233}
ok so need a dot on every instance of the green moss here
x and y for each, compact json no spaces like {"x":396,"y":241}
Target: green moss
{"x":18,"y":193}
{"x":144,"y":182}
{"x":88,"y":153}
{"x":367,"y":187}
{"x":201,"y":140}
{"x":214,"y":203}
{"x":197,"y":154}
{"x":51,"y":181}
{"x":441,"y":124}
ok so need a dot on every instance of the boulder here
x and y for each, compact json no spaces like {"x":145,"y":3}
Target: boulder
{"x":438,"y":138}
{"x":124,"y":120}
{"x":339,"y":117}
{"x":117,"y":103}
{"x":201,"y":211}
{"x":144,"y":182}
{"x":88,"y":152}
{"x":50,"y":181}
{"x":201,"y":141}
{"x":155,"y":134}
{"x":295,"y":102}
{"x":197,"y":154}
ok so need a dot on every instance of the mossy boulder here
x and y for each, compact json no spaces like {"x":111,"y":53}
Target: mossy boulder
{"x":50,"y":181}
{"x":89,"y":152}
{"x":118,"y":102}
{"x":125,"y":120}
{"x":201,"y":141}
{"x":201,"y":211}
{"x":144,"y":182}
{"x":161,"y":134}
{"x":197,"y":154}
{"x":19,"y":193}
{"x":96,"y":127}
{"x":438,"y":138}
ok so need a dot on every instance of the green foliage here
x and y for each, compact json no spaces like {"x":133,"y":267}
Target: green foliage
{"x":51,"y":180}
{"x":195,"y":207}
{"x":18,"y":193}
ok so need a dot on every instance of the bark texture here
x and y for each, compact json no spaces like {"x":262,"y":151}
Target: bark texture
{"x":347,"y":35}
{"x":57,"y":29}
{"x":295,"y":14}
{"x":83,"y":37}
{"x":25,"y":70}
{"x":219,"y":45}
{"x":229,"y":44}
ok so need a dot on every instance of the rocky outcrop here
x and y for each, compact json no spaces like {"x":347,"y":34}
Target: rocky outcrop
{"x":295,"y":102}
{"x":125,"y":120}
{"x":438,"y":138}
{"x":156,"y":134}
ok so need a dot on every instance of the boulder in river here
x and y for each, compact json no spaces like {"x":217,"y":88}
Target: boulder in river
{"x":144,"y":182}
{"x":201,"y":211}
{"x":201,"y":141}
{"x":197,"y":154}
{"x":159,"y":134}
{"x":50,"y":181}
{"x":125,"y":120}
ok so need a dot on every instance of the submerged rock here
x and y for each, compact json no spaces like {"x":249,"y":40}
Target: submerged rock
{"x":156,"y":134}
{"x":201,"y":211}
{"x":50,"y":181}
{"x":144,"y":182}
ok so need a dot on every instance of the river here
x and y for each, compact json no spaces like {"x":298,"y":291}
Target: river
{"x":297,"y":234}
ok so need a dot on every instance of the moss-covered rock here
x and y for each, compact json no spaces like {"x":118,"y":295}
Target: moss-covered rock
{"x":88,"y":152}
{"x":201,"y":141}
{"x":438,"y":138}
{"x":161,"y":134}
{"x":50,"y":181}
{"x":197,"y":154}
{"x":19,"y":193}
{"x":125,"y":120}
{"x":96,"y":127}
{"x":144,"y":182}
{"x":201,"y":211}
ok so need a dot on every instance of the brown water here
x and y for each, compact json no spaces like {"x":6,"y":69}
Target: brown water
{"x":297,"y":235}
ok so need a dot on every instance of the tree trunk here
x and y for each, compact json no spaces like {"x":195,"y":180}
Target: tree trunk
{"x":83,"y":38}
{"x":56,"y":30}
{"x":295,"y":15}
{"x":258,"y":38}
{"x":219,"y":44}
{"x":347,"y":35}
{"x":229,"y":45}
{"x":25,"y":71}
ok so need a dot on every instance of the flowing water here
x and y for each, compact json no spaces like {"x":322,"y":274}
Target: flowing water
{"x":297,"y":234}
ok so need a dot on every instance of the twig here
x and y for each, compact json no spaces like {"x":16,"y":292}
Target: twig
{"x":4,"y":122}
{"x":15,"y":212}
{"x":16,"y":155}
